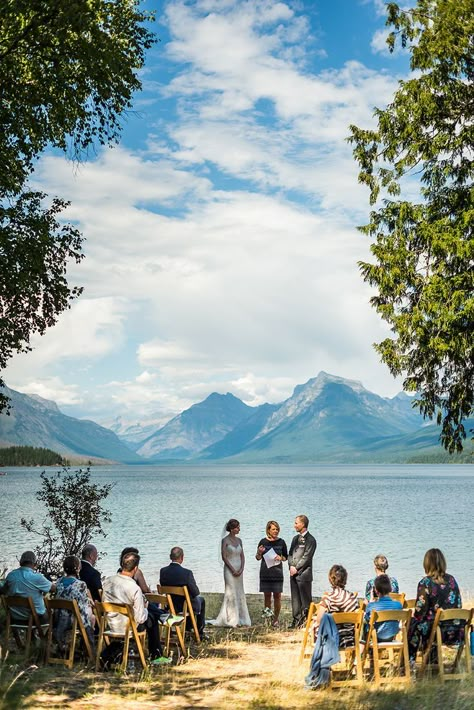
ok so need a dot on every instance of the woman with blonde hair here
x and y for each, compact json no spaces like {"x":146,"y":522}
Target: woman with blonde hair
{"x":381,"y":567}
{"x":437,"y":590}
{"x":271,"y":575}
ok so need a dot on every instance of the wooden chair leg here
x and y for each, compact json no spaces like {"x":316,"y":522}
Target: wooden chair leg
{"x":72,"y":645}
{"x":100,"y":643}
{"x":375,"y":655}
{"x":126,"y":644}
{"x":439,"y":648}
{"x":29,"y":635}
{"x":141,"y":653}
{"x":406,"y":656}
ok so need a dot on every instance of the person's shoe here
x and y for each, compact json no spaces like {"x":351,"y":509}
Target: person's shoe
{"x":276,"y":624}
{"x":161,"y":661}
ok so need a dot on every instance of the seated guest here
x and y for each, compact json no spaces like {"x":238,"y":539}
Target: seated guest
{"x":381,"y":567}
{"x":437,"y":590}
{"x":89,"y":574}
{"x":71,"y":587}
{"x":386,"y":630}
{"x":121,"y":588}
{"x":139,"y":577}
{"x":25,"y":582}
{"x":175,"y":575}
{"x":338,"y":599}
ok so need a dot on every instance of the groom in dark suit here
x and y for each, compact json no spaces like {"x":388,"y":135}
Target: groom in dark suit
{"x":175,"y":575}
{"x":300,"y":560}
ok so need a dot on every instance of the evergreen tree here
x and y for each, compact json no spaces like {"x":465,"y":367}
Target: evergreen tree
{"x":423,"y":268}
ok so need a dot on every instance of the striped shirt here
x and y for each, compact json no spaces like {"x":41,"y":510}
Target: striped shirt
{"x":340,"y":600}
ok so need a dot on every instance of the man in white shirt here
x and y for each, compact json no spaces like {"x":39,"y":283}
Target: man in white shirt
{"x":121,"y":588}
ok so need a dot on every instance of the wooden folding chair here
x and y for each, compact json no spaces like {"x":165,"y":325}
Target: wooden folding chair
{"x":77,"y":630}
{"x":409,"y":604}
{"x":179,"y":627}
{"x":182,"y":592}
{"x":463,"y":648}
{"x":312,"y":612}
{"x":398,"y":645}
{"x":398,"y":596}
{"x":29,"y":625}
{"x":351,"y":661}
{"x":131,"y":632}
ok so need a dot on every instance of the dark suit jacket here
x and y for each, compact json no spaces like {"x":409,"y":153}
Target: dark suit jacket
{"x":177,"y":576}
{"x":301,"y":553}
{"x":92,"y":578}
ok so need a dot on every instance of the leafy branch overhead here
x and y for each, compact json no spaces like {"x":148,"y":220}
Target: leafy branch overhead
{"x":68,"y":73}
{"x":423,"y":267}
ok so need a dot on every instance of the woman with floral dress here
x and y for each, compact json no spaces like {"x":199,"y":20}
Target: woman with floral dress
{"x":437,"y":590}
{"x":71,"y":587}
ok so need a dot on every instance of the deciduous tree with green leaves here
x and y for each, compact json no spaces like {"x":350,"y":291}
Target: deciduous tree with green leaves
{"x":74,"y":515}
{"x":68,"y":72}
{"x":423,"y":267}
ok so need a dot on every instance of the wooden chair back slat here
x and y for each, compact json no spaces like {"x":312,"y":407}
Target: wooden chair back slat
{"x":78,"y":628}
{"x":312,"y":611}
{"x":398,"y":645}
{"x":351,"y":655}
{"x":398,"y":597}
{"x":463,"y":648}
{"x":182,"y":592}
{"x":165,"y":600}
{"x":104,"y":608}
{"x":29,"y":624}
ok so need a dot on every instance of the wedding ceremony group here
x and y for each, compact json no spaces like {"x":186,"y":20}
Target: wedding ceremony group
{"x":119,"y":619}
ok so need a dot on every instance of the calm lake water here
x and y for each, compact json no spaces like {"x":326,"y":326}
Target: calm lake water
{"x":355,"y":513}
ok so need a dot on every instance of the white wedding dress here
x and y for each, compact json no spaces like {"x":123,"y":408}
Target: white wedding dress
{"x":234,"y":610}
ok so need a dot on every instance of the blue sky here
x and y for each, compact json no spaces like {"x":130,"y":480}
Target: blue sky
{"x":222,"y":247}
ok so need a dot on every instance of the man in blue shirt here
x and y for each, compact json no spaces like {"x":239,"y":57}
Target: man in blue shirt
{"x":25,"y":582}
{"x":386,"y":630}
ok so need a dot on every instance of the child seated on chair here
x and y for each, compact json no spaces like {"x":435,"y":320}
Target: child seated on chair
{"x":386,"y":630}
{"x":339,"y":599}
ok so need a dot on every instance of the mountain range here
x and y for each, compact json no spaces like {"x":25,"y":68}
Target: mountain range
{"x":34,"y":421}
{"x":328,"y":419}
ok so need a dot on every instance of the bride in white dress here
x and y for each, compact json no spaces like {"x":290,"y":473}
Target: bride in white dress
{"x":234,"y":610}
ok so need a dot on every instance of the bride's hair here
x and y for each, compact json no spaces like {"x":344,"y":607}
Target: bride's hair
{"x":232,"y":524}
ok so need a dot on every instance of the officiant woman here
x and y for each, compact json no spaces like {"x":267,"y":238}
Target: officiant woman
{"x":271,"y":569}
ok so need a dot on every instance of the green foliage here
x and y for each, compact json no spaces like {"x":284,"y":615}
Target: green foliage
{"x":424,"y":250}
{"x":68,"y":72}
{"x":30,"y":456}
{"x":34,"y":251}
{"x":74,"y":515}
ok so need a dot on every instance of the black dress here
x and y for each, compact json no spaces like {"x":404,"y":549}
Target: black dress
{"x":271,"y":578}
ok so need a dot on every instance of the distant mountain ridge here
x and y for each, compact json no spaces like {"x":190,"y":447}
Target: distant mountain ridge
{"x":324,"y":419}
{"x":34,"y":421}
{"x":196,"y":428}
{"x":328,"y":419}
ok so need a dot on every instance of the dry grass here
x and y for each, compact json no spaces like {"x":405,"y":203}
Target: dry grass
{"x":252,"y":669}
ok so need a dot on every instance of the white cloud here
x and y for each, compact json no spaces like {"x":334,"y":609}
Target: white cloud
{"x":223,"y":255}
{"x":379,"y":41}
{"x":53,"y":389}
